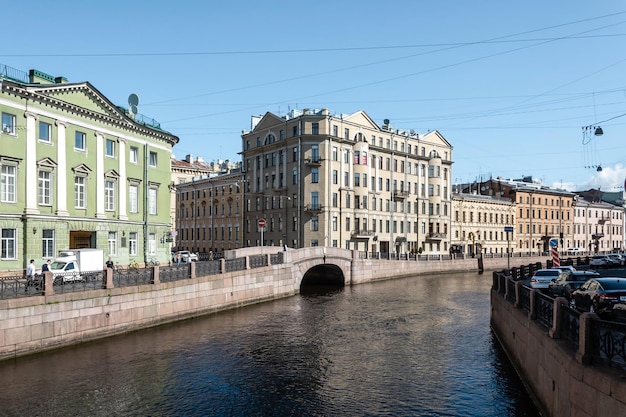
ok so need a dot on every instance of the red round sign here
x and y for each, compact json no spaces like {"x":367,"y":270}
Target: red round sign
{"x":261,"y":222}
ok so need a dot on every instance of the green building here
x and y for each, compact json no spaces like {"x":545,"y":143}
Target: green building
{"x":77,"y":171}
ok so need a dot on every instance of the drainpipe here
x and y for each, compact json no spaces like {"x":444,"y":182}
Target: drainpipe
{"x":146,"y":201}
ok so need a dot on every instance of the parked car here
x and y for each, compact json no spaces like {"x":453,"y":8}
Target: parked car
{"x":568,"y":281}
{"x":185,"y":256}
{"x":599,"y":261}
{"x":565,"y":268}
{"x":599,"y":295}
{"x":542,"y":277}
{"x":616,"y":258}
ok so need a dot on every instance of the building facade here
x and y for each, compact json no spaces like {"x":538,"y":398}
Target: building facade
{"x":598,"y":227}
{"x":543,"y":213}
{"x":209,"y":215}
{"x":482,"y":224}
{"x":320,"y":179}
{"x":78,"y":172}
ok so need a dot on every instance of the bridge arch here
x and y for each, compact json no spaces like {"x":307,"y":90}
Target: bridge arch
{"x":322,"y":277}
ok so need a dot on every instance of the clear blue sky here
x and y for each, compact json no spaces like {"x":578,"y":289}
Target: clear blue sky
{"x":509,"y":84}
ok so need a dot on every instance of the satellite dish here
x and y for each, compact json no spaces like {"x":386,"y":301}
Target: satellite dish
{"x":386,"y":121}
{"x":412,"y":132}
{"x":133,"y":100}
{"x":132,"y":109}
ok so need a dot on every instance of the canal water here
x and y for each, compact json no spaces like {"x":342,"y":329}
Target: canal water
{"x":408,"y":347}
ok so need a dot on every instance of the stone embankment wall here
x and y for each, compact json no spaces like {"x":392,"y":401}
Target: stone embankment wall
{"x":555,"y":374}
{"x":37,"y":323}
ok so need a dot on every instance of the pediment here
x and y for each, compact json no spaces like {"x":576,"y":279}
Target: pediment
{"x":268,"y":121}
{"x":363,"y":119}
{"x":83,"y":95}
{"x":111,"y":174}
{"x":81,"y":169}
{"x":46,"y":162}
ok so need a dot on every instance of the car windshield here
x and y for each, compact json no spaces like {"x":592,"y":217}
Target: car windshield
{"x":547,"y":273}
{"x":57,"y":265}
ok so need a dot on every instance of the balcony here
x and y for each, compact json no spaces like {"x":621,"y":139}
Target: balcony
{"x":313,"y":208}
{"x":603,"y":219}
{"x":436,"y":236}
{"x":315,"y":161}
{"x":596,"y":236}
{"x":361,"y":234}
{"x":400,"y":195}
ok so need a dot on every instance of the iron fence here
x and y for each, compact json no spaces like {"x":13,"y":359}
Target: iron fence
{"x":204,"y":268}
{"x":233,"y":265}
{"x":174,"y":272}
{"x":609,"y":343}
{"x":276,"y":258}
{"x":544,"y":306}
{"x":257,"y":261}
{"x":570,"y":325}
{"x":133,"y":276}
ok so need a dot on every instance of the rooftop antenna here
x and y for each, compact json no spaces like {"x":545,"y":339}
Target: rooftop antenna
{"x":133,"y":102}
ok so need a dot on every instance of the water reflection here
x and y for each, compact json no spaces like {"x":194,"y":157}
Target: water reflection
{"x":409,"y":347}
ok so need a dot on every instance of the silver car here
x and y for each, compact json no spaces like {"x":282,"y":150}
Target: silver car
{"x":543,"y":277}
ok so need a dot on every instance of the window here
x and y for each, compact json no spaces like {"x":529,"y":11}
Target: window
{"x":132,"y":243}
{"x":109,"y":195}
{"x":133,"y":155}
{"x":315,"y":128}
{"x":9,"y":241}
{"x":47,"y":248}
{"x":294,"y":176}
{"x":45,"y":132}
{"x":7,"y":183}
{"x":79,"y":192}
{"x":44,"y":189}
{"x":153,"y":159}
{"x":133,"y":198}
{"x":152,"y":244}
{"x":112,"y":243}
{"x":152,"y":200}
{"x":314,"y":175}
{"x":315,"y":224}
{"x":335,"y":177}
{"x":110,"y":148}
{"x":79,"y":141}
{"x":8,"y":123}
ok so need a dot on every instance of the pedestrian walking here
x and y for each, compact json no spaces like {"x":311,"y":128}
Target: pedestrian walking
{"x":178,"y":259}
{"x":46,"y":266}
{"x":30,"y":275}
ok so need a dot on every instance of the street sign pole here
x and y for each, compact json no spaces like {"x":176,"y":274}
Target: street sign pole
{"x":508,"y":230}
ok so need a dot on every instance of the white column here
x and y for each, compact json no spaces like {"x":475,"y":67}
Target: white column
{"x":122,"y":186}
{"x":61,"y":174}
{"x":100,"y":214}
{"x":31,"y":165}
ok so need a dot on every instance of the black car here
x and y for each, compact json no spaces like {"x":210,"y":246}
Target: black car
{"x":568,"y":281}
{"x":599,"y":295}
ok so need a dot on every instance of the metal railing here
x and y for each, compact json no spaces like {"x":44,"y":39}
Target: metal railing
{"x":608,"y":338}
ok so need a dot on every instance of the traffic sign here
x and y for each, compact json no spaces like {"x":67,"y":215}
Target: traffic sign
{"x":261,"y":223}
{"x":508,"y":229}
{"x":554,"y":243}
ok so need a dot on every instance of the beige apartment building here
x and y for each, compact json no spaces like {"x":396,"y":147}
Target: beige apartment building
{"x":482,"y":224}
{"x":598,"y":227}
{"x":543,"y":213}
{"x":320,"y":179}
